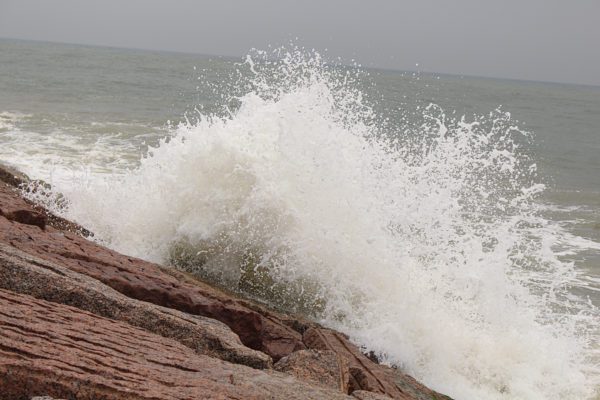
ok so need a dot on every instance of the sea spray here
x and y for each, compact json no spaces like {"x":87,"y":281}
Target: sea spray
{"x":423,"y":241}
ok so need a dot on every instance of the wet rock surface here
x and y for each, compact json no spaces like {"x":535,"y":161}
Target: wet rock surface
{"x":78,"y":320}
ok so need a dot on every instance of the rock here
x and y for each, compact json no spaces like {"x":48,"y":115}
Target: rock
{"x":49,"y":349}
{"x":411,"y":386}
{"x":26,"y":274}
{"x":365,"y":374}
{"x":362,"y":375}
{"x":364,"y":395}
{"x":16,"y":209}
{"x":12,"y":176}
{"x":78,"y":320}
{"x":321,"y":367}
{"x":146,"y":281}
{"x":295,"y":322}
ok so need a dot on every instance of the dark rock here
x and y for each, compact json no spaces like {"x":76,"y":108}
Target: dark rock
{"x":26,"y":217}
{"x":12,"y":176}
{"x":49,"y":349}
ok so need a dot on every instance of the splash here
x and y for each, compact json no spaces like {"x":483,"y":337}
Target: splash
{"x":421,"y":239}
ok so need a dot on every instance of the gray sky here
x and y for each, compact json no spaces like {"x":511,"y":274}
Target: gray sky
{"x":551,"y":40}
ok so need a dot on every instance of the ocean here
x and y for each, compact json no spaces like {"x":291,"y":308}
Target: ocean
{"x":449,"y":224}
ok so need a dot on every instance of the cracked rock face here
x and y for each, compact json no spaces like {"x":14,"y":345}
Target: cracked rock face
{"x":62,"y":351}
{"x":22,"y":273}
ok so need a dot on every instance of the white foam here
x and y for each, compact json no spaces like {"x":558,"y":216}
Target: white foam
{"x":8,"y":119}
{"x":425,"y":245}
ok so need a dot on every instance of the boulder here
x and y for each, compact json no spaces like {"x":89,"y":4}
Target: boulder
{"x":26,"y":274}
{"x":50,"y":349}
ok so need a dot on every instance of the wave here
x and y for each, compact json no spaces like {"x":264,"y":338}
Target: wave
{"x":422,"y":240}
{"x":8,"y":120}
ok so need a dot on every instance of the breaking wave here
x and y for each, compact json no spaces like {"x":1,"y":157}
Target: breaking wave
{"x":419,"y":237}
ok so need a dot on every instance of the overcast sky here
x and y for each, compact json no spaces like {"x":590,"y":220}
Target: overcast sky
{"x":547,"y":40}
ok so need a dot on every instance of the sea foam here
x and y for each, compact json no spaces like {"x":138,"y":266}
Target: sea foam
{"x":421,"y":239}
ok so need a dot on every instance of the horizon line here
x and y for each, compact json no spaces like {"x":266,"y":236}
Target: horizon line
{"x":360,"y":66}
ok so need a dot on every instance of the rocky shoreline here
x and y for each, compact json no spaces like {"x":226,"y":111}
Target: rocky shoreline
{"x":80,"y":321}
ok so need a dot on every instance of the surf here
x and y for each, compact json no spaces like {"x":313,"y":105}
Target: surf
{"x":421,"y":238}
